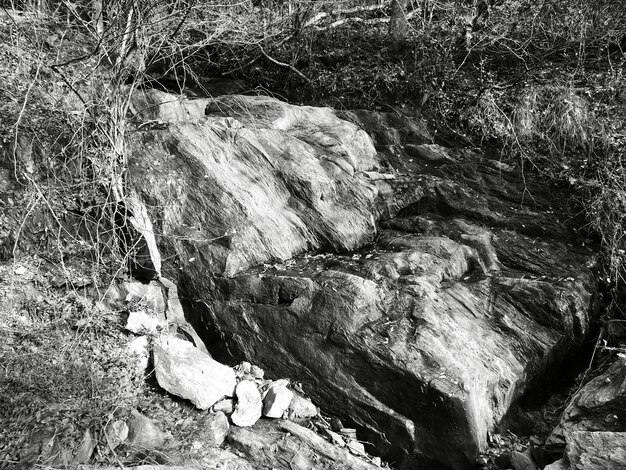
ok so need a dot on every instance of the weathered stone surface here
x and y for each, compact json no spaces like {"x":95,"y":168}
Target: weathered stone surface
{"x":276,"y":399}
{"x":522,"y":461}
{"x":599,"y":406}
{"x":226,"y":406}
{"x":85,"y":449}
{"x":215,"y":429}
{"x":263,"y":160}
{"x":144,"y":433}
{"x":148,"y":295}
{"x":286,"y":445}
{"x":257,"y":372}
{"x":474,"y":289}
{"x":249,"y":404}
{"x":155,"y":105}
{"x":183,"y":370}
{"x":596,"y":450}
{"x":116,"y":433}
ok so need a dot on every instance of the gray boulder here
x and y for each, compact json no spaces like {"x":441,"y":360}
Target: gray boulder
{"x":423,"y":333}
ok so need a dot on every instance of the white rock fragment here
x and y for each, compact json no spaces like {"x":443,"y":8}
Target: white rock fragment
{"x":143,"y":323}
{"x":20,"y":270}
{"x":277,"y":399}
{"x":257,"y":372}
{"x":249,"y":404}
{"x":226,"y":406}
{"x":185,"y":371}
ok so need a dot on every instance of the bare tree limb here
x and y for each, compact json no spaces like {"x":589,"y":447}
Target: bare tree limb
{"x":283,"y":64}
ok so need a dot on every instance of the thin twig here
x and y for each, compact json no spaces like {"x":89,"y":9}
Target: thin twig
{"x":283,"y":64}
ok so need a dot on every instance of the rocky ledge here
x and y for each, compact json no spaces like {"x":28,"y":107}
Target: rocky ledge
{"x":415,"y":289}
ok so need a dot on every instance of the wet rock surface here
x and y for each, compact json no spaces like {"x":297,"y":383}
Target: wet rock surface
{"x":424,"y":332}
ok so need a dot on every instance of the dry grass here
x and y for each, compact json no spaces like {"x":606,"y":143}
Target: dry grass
{"x":64,"y":367}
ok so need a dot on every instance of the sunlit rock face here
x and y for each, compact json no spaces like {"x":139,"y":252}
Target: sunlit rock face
{"x":413,"y":289}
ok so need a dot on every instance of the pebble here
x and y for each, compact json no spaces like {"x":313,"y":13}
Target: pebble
{"x":20,"y":270}
{"x":249,"y":404}
{"x":216,"y":429}
{"x":257,"y":372}
{"x":144,"y":433}
{"x":356,"y":448}
{"x":116,"y":433}
{"x":336,"y":424}
{"x":226,"y":406}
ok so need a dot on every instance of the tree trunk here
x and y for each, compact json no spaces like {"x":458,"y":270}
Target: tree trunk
{"x":398,"y":24}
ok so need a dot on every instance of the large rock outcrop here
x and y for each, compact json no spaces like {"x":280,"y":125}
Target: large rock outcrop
{"x":591,"y":434}
{"x":423,"y":332}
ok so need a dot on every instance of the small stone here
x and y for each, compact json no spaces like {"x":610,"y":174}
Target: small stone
{"x":301,"y":408}
{"x":142,"y":323}
{"x":144,"y":432}
{"x":356,"y":448}
{"x":277,"y":399}
{"x":245,"y":367}
{"x":257,"y":372}
{"x":377,"y":461}
{"x":85,"y":449}
{"x":139,"y":350}
{"x":150,"y":295}
{"x":116,"y":433}
{"x":226,"y":406}
{"x":336,"y":438}
{"x":522,"y":461}
{"x":336,"y":424}
{"x":216,"y":429}
{"x":20,"y":270}
{"x":249,"y":404}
